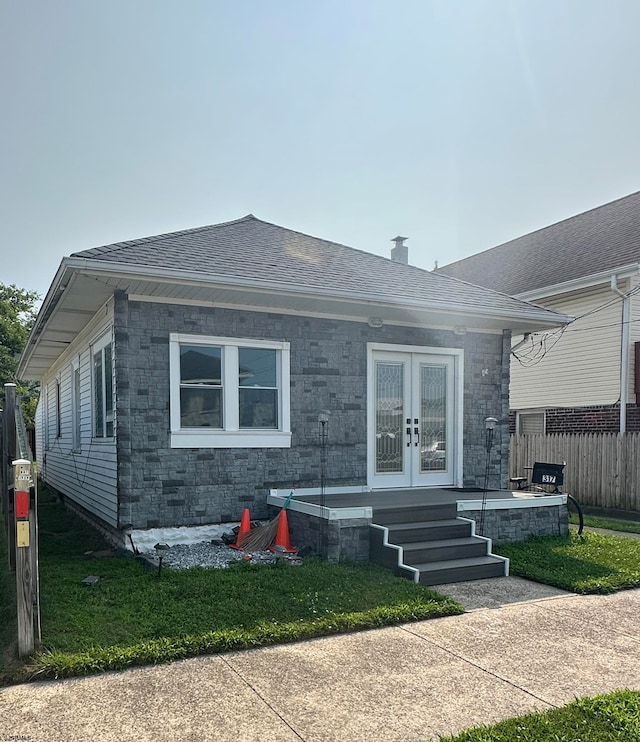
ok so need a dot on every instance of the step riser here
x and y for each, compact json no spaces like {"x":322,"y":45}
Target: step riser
{"x":433,"y":533}
{"x":407,"y":515}
{"x":479,"y":572}
{"x":442,"y":553}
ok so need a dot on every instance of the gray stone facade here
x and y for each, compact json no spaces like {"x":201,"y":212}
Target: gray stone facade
{"x":159,"y":486}
{"x":516,"y":524}
{"x":345,"y":539}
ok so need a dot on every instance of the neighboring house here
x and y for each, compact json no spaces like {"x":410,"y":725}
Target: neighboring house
{"x":588,"y":266}
{"x":182,"y":374}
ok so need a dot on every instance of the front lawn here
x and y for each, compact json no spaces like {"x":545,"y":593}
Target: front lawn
{"x":132,"y":616}
{"x":591,"y":563}
{"x":610,"y":718}
{"x":612,"y":524}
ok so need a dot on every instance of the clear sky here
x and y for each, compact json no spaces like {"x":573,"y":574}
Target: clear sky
{"x":458,"y":123}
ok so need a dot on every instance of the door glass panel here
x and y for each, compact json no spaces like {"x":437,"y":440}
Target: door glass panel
{"x":389,"y":417}
{"x":433,"y":417}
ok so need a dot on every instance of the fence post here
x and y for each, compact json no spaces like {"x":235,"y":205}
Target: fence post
{"x":8,"y":454}
{"x":23,"y":521}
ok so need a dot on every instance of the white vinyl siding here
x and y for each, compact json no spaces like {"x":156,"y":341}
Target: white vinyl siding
{"x":583,"y":367}
{"x":634,"y":336}
{"x":80,"y":466}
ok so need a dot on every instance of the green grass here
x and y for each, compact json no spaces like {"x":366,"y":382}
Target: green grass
{"x":612,"y":524}
{"x":134,"y":617}
{"x":609,"y":718}
{"x":593,"y":563}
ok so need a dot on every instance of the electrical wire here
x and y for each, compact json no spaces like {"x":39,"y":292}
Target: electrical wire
{"x":533,"y":355}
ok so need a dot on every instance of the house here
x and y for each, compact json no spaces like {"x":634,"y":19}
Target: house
{"x":583,"y":377}
{"x":182,"y":376}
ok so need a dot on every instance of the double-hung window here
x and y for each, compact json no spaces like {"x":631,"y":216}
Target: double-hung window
{"x":228,"y":392}
{"x":75,"y":406}
{"x":103,"y":388}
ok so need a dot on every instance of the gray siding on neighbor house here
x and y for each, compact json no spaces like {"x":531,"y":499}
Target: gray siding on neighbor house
{"x":161,"y":486}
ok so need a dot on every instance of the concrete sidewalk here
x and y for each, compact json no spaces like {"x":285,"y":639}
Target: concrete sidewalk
{"x":521,"y":647}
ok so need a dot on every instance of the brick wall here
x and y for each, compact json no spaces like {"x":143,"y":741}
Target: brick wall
{"x":161,"y":486}
{"x":594,"y":419}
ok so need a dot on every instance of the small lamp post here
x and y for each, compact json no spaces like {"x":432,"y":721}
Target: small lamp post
{"x":323,"y":432}
{"x":323,"y":422}
{"x":489,"y":426}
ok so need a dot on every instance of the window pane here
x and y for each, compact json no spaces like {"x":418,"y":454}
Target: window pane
{"x":200,"y":407}
{"x":76,"y":407}
{"x":258,"y":408}
{"x":433,"y":418}
{"x":257,"y":367}
{"x":531,"y":423}
{"x":97,"y":399}
{"x":108,"y":383}
{"x":200,"y":365}
{"x":389,"y":417}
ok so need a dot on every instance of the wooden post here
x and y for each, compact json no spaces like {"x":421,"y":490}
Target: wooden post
{"x":23,"y":517}
{"x":9,"y":454}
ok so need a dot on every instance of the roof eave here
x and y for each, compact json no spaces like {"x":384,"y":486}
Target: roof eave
{"x":53,"y":295}
{"x":577,"y":284}
{"x":532,"y":319}
{"x":537,"y":314}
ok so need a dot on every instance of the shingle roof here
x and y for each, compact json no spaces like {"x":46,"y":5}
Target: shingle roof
{"x":254,"y":250}
{"x":601,"y":239}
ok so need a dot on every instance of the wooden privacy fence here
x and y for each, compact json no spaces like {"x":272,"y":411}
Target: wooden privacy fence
{"x":602,"y":468}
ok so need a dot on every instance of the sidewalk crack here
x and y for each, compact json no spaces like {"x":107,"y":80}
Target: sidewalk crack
{"x":261,"y":697}
{"x":480,"y":667}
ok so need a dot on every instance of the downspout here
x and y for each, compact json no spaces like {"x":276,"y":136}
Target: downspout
{"x":624,"y":354}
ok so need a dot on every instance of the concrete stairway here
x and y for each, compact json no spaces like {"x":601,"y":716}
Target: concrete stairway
{"x":431,"y":545}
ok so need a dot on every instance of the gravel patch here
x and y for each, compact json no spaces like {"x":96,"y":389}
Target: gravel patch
{"x":206,"y":554}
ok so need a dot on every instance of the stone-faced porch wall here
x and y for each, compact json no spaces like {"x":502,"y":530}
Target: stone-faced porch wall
{"x":161,"y":486}
{"x":516,"y":524}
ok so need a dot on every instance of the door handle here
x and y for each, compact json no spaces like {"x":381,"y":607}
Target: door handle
{"x":417,"y":434}
{"x":408,"y":436}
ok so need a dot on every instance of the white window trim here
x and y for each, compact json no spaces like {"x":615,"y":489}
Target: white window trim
{"x":232,"y":436}
{"x":96,"y":347}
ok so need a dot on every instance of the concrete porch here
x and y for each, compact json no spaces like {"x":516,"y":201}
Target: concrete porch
{"x":429,"y":535}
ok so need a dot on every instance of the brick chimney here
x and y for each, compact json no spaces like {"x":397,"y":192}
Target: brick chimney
{"x":400,"y":253}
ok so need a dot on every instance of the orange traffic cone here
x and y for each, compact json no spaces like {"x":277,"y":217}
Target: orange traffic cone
{"x":282,"y":535}
{"x":245,"y":527}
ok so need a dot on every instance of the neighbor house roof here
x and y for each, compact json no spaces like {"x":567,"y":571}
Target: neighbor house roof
{"x":602,"y":239}
{"x":252,"y":263}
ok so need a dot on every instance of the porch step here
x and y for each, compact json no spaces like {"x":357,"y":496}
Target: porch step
{"x":461,"y":570}
{"x":430,"y":530}
{"x":433,"y":552}
{"x":388,"y":514}
{"x":437,"y":551}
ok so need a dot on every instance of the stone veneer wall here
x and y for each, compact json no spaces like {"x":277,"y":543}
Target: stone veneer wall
{"x":346,"y":539}
{"x":515,"y":524}
{"x":159,"y":486}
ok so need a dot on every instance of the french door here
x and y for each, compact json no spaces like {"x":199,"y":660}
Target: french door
{"x":413,"y":439}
